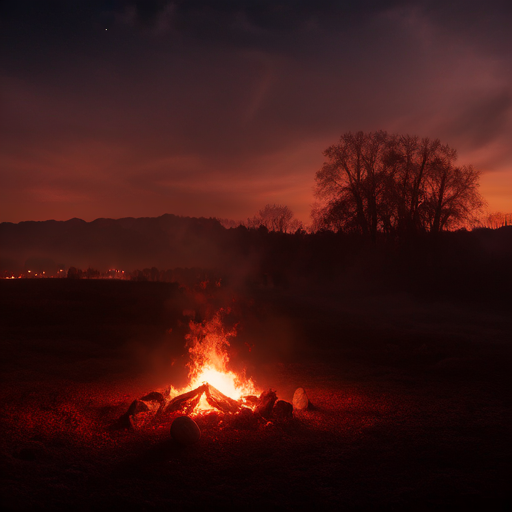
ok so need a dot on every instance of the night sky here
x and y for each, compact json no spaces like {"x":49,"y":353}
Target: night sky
{"x":216,"y":108}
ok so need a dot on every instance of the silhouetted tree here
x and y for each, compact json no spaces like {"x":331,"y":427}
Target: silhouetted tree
{"x":138,"y":275}
{"x":377,"y":182}
{"x":74,"y":273}
{"x":92,"y":273}
{"x":452,"y":197}
{"x":496,"y":220}
{"x":275,"y":218}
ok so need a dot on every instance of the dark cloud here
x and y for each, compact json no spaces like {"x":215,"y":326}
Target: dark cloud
{"x":262,"y":14}
{"x":483,"y":120}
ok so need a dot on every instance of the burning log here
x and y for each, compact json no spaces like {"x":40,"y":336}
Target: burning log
{"x":185,"y":399}
{"x":137,"y":408}
{"x":250,"y":400}
{"x":154,"y":396}
{"x":220,"y":401}
{"x":189,"y":406}
{"x":265,"y":406}
{"x":213,"y":396}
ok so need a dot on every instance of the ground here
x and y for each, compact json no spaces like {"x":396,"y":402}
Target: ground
{"x":411,"y":401}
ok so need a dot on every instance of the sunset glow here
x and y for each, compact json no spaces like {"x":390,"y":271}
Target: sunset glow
{"x":153,"y":115}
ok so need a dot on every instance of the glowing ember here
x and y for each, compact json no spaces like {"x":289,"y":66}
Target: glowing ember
{"x":208,"y":344}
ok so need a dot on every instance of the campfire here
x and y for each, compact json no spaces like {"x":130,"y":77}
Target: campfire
{"x":212,"y":386}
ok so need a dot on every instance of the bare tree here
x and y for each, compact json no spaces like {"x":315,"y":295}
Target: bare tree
{"x":275,"y":218}
{"x":411,"y":161}
{"x":495,"y":220}
{"x":352,"y":182}
{"x":377,"y":182}
{"x":452,"y":198}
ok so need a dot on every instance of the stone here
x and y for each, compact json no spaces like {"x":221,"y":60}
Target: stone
{"x":300,"y":400}
{"x":283,"y":410}
{"x":185,"y":431}
{"x":266,"y":403}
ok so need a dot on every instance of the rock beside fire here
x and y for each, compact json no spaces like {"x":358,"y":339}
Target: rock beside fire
{"x":283,"y":410}
{"x":185,"y":431}
{"x":300,"y":400}
{"x":266,"y":403}
{"x":244,"y":413}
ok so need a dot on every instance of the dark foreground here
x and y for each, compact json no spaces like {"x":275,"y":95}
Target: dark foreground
{"x":411,"y":401}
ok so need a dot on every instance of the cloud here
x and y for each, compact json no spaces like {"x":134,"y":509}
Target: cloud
{"x":483,"y":120}
{"x":237,"y":97}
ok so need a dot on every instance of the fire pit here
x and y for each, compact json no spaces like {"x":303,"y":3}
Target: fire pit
{"x":213,"y":387}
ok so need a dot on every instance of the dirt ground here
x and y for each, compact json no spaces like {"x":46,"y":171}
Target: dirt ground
{"x":411,"y":401}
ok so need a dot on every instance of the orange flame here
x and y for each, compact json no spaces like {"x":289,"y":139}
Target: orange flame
{"x":208,"y":344}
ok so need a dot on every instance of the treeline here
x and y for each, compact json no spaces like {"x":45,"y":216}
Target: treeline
{"x":461,"y":262}
{"x":400,"y":185}
{"x":468,"y":265}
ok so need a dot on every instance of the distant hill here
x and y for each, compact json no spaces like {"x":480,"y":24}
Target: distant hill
{"x":465,"y":264}
{"x":167,"y":241}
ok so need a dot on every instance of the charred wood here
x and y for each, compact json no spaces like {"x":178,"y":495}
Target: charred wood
{"x":154,"y":396}
{"x":126,"y":420}
{"x":137,"y":406}
{"x":250,"y":400}
{"x":190,"y":405}
{"x":266,"y":403}
{"x":220,"y":401}
{"x":181,"y":400}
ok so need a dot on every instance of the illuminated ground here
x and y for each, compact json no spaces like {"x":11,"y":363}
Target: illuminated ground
{"x":412,"y":408}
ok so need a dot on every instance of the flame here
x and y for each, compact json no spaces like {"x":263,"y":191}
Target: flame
{"x":208,"y":344}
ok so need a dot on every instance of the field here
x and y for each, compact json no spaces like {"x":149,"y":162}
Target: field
{"x":411,"y":400}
